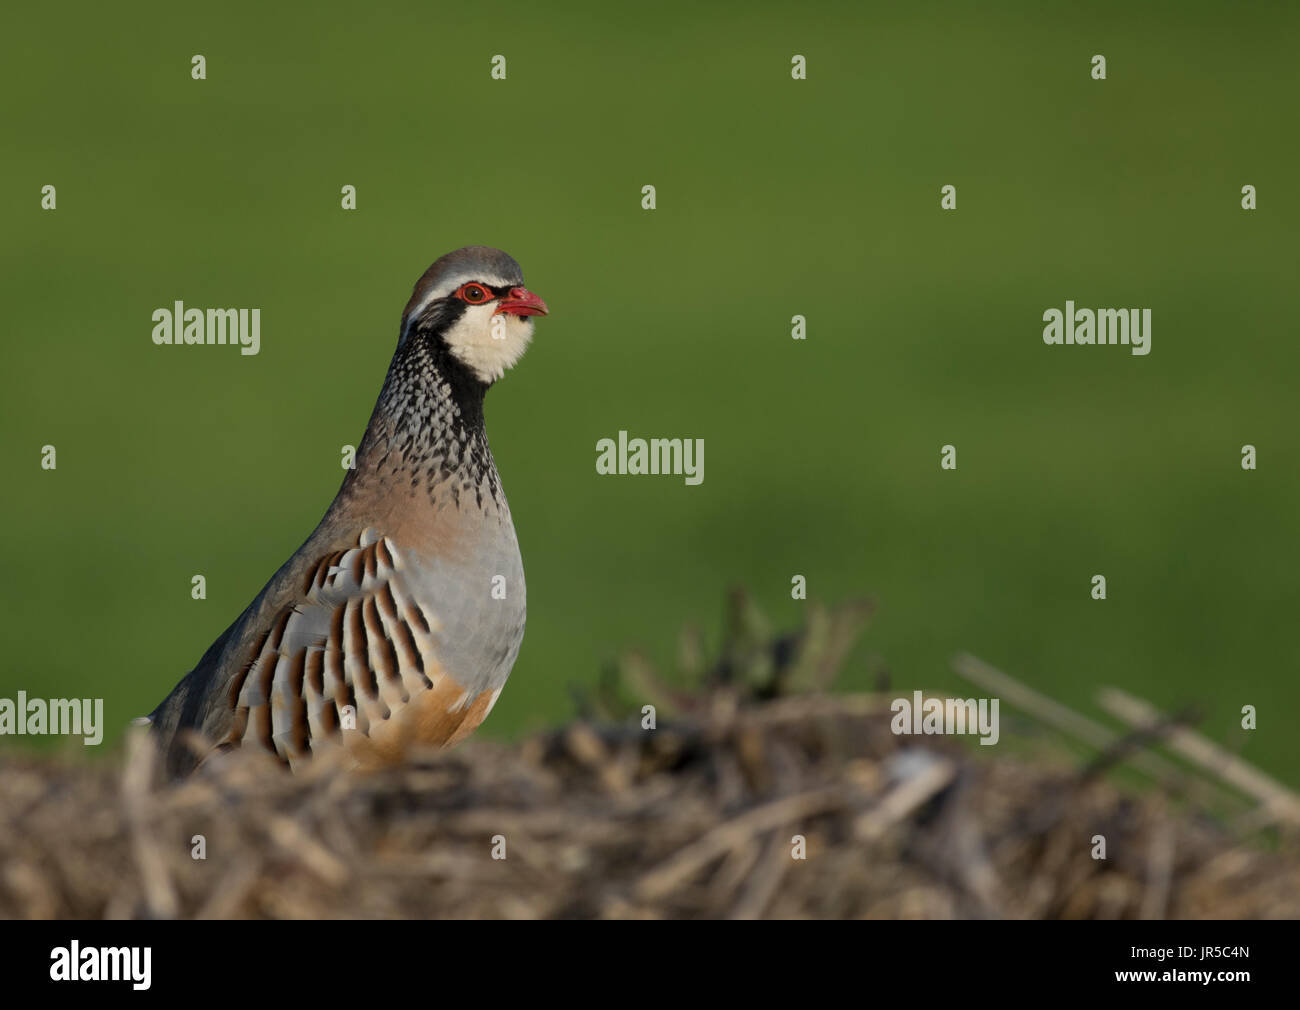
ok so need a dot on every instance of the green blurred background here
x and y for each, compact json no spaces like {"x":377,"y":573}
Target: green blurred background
{"x":775,"y":197}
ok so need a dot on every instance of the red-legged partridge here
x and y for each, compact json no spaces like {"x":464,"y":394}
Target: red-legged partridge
{"x":396,"y":624}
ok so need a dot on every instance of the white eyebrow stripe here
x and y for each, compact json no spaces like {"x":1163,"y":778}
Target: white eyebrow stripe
{"x":493,"y":281}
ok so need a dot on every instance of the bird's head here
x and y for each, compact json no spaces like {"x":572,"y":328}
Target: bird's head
{"x":474,"y":302}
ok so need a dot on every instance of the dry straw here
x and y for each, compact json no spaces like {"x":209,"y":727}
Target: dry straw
{"x":700,"y":817}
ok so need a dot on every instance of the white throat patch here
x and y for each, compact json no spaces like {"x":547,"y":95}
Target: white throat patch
{"x":489,"y":344}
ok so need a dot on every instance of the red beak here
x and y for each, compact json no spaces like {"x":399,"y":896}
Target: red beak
{"x":521,"y":302}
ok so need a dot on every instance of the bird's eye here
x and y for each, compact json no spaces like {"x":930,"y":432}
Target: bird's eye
{"x":475,"y":294}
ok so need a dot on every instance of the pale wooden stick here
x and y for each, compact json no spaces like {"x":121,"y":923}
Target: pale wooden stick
{"x":678,"y":867}
{"x":1207,"y":755}
{"x":902,"y":799}
{"x":1055,"y":714}
{"x":1160,"y":867}
{"x":137,"y":799}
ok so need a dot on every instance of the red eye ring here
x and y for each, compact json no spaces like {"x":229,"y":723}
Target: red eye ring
{"x":475,"y":293}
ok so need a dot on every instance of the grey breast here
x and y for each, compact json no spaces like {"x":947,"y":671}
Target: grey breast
{"x":479,"y":601}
